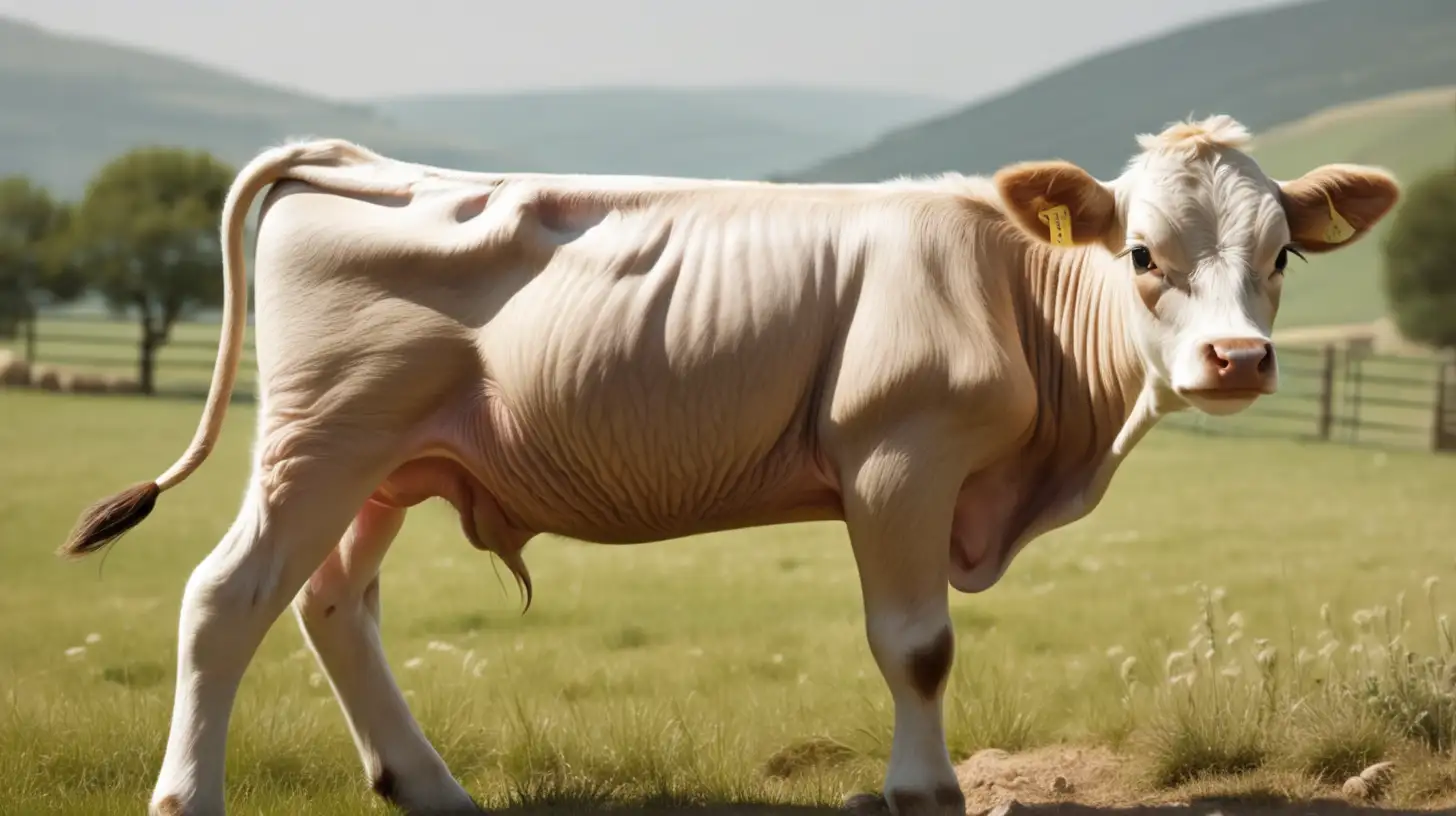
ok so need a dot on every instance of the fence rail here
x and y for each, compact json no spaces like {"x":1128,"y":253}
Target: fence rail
{"x":1331,"y":393}
{"x":101,"y":345}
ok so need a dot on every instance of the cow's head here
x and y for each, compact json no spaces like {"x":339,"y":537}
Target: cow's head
{"x":1202,"y":237}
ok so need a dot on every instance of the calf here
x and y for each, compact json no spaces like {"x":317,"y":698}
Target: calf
{"x":950,"y":366}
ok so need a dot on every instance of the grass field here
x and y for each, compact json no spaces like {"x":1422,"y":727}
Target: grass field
{"x":732,"y":669}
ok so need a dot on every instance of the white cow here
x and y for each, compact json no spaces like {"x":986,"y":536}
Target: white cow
{"x":950,"y":366}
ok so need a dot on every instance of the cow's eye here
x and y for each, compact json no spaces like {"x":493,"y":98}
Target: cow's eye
{"x":1282,"y":260}
{"x":1142,"y":258}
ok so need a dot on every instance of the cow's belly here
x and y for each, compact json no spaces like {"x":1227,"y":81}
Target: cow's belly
{"x":511,"y":477}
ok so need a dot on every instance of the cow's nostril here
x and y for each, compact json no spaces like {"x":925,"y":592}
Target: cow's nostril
{"x":1266,"y":363}
{"x":1210,"y":353}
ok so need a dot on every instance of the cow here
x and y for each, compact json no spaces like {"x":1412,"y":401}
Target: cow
{"x":951,"y":366}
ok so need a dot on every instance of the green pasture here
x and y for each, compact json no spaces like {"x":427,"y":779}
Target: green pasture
{"x":727,"y":669}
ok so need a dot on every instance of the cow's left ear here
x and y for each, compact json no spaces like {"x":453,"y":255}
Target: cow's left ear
{"x":1059,"y":203}
{"x":1336,"y":204}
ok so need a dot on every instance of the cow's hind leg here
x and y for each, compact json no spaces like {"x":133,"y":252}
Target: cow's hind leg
{"x":898,"y":508}
{"x":296,"y":509}
{"x":338,"y":610}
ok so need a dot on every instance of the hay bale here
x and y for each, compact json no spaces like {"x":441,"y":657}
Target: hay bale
{"x":51,"y":378}
{"x":87,"y":383}
{"x":14,"y":371}
{"x":121,"y":384}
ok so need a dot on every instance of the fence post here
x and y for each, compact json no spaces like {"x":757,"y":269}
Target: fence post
{"x":1326,"y":417}
{"x":1442,"y":437}
{"x":30,"y":342}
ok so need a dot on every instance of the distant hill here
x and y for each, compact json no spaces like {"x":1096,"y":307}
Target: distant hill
{"x":68,"y":105}
{"x":745,"y":132}
{"x":1410,"y":134}
{"x":1264,"y":68}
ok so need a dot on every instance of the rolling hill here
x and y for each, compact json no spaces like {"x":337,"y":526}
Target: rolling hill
{"x":70,"y":104}
{"x":1265,"y":68}
{"x":699,"y":131}
{"x":745,"y":131}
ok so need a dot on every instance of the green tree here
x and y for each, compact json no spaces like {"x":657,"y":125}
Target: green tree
{"x":34,"y":268}
{"x":147,"y":233}
{"x":1420,"y":261}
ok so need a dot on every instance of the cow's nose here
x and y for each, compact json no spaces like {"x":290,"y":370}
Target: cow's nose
{"x":1240,"y":363}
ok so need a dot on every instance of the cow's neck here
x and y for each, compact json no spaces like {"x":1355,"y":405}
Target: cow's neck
{"x":1093,"y":403}
{"x":1094,"y":398}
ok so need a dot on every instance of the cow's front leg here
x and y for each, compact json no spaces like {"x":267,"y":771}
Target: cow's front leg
{"x":899,"y":502}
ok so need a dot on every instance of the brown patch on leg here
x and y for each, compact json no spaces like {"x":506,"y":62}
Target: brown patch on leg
{"x":384,"y":786}
{"x":929,"y":665}
{"x":169,"y":806}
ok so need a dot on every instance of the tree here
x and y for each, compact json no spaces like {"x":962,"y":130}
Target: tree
{"x":1420,"y":261}
{"x":147,"y":234}
{"x":34,"y":268}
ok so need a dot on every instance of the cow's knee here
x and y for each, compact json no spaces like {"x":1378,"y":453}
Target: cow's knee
{"x":929,"y":665}
{"x":915,"y":651}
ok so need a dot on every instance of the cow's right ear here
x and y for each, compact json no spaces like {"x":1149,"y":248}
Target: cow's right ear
{"x":1059,"y":203}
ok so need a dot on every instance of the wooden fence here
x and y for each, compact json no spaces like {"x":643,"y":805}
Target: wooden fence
{"x":98,"y":344}
{"x":1343,"y":394}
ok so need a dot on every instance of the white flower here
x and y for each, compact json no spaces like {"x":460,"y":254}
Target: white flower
{"x":1125,"y":672}
{"x":76,"y":651}
{"x":413,"y":663}
{"x":1174,"y":658}
{"x":93,"y":639}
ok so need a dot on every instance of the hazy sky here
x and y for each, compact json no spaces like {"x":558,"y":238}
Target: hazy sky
{"x":350,"y":48}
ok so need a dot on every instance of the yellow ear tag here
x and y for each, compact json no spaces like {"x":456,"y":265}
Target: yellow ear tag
{"x":1338,"y":230}
{"x":1059,"y":219}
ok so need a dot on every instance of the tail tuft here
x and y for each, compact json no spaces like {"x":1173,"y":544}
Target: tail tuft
{"x":109,"y":519}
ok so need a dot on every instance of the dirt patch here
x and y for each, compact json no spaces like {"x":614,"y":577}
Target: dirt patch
{"x":1089,"y":776}
{"x":1084,"y":781}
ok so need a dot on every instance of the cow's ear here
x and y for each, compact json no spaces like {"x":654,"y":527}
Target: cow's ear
{"x":1336,"y":204}
{"x":1059,"y":203}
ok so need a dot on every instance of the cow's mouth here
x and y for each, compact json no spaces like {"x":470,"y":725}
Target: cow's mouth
{"x":1226,"y":394}
{"x":1222,"y":401}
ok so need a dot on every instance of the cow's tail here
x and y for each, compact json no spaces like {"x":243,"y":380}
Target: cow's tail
{"x":330,"y":164}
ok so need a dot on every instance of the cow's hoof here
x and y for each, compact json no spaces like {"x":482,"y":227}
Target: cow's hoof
{"x":947,"y":800}
{"x":173,"y":805}
{"x":866,"y":804}
{"x":446,"y":799}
